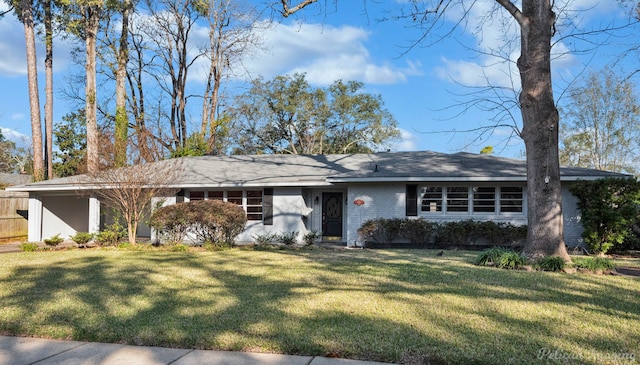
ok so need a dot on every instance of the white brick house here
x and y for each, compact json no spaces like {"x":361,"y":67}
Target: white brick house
{"x":332,"y":194}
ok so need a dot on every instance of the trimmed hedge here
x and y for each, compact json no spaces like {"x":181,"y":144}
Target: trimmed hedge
{"x":211,"y":221}
{"x":397,"y":232}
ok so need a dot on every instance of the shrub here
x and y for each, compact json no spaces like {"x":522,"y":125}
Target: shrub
{"x":551,"y":263}
{"x":216,"y":221}
{"x":419,"y":231}
{"x":608,"y":210}
{"x":29,"y":246}
{"x":288,"y":238}
{"x":593,"y":263}
{"x":490,"y":256}
{"x":310,"y":238}
{"x":265,"y":239}
{"x":171,"y":222}
{"x":54,"y":240}
{"x":511,"y":260}
{"x":111,"y":235}
{"x":81,"y":238}
{"x":374,"y":230}
{"x":211,"y":221}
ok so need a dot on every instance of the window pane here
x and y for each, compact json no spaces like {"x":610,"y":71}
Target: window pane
{"x":196,"y":195}
{"x":234,"y":197}
{"x":216,"y":195}
{"x":457,"y":199}
{"x":511,"y":199}
{"x":431,"y":199}
{"x":484,"y":199}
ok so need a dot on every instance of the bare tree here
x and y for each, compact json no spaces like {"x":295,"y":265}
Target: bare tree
{"x":536,"y":21}
{"x":232,"y":34}
{"x":130,"y":189}
{"x":169,"y":29}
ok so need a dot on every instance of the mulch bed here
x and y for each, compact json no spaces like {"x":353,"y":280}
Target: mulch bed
{"x":628,"y":271}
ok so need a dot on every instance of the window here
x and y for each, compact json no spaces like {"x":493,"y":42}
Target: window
{"x":511,"y":199}
{"x":484,"y":200}
{"x":254,"y":205}
{"x":457,"y":199}
{"x":250,"y":200}
{"x":235,"y":197}
{"x":431,"y":199}
{"x":216,"y":195}
{"x":196,"y":195}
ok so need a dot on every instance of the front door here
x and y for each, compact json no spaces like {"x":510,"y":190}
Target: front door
{"x":332,"y":215}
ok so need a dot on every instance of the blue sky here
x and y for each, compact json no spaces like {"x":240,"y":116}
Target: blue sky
{"x":420,"y":85}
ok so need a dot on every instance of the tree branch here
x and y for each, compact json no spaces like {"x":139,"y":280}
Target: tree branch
{"x":514,"y":11}
{"x":286,"y":10}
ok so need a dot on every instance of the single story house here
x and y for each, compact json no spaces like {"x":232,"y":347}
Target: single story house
{"x":331,"y":194}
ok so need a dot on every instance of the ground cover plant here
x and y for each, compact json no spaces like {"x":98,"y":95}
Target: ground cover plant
{"x":409,"y":306}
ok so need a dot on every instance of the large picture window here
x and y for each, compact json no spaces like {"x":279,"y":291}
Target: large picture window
{"x":249,"y":200}
{"x":471,"y":200}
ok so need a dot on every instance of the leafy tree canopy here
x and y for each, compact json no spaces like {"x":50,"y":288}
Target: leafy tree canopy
{"x":287,"y":115}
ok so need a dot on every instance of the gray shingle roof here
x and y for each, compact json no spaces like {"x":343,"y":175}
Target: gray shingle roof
{"x":318,"y":170}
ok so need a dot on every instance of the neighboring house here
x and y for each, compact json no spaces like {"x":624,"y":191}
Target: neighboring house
{"x":332,"y":194}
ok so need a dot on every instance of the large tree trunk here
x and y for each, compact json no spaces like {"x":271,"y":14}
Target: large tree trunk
{"x":122,"y":121}
{"x":34,"y":97}
{"x":48,"y":104}
{"x":92,"y":17}
{"x":540,"y":132}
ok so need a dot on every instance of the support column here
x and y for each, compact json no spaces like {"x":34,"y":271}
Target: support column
{"x":94,"y":215}
{"x":34,"y":223}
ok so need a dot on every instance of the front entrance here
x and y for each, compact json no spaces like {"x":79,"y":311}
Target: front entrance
{"x":332,"y":216}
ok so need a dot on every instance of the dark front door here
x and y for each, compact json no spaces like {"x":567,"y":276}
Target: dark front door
{"x":332,"y":214}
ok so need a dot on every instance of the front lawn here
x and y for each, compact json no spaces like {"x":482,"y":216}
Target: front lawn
{"x":406,"y":306}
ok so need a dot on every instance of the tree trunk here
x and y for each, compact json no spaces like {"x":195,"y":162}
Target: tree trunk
{"x":92,"y":17}
{"x":540,"y":133}
{"x":48,"y":104}
{"x":34,"y":97}
{"x":122,"y":122}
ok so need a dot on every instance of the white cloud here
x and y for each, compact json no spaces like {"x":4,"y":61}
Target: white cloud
{"x":325,"y":53}
{"x":17,"y":116}
{"x":13,"y":50}
{"x":15,"y":136}
{"x":408,"y":141}
{"x":497,"y":41}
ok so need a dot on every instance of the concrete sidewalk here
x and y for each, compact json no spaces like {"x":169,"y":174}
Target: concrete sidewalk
{"x":26,"y":350}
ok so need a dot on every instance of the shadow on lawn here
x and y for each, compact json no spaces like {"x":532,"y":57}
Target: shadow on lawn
{"x":447,"y":311}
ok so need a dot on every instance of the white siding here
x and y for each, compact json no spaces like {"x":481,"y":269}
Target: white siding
{"x":288,"y":207}
{"x":380,"y":201}
{"x":64,"y":215}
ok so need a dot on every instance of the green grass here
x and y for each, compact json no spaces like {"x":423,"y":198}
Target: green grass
{"x":396,"y":306}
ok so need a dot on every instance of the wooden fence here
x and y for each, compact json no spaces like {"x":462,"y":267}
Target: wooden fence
{"x":13,"y":216}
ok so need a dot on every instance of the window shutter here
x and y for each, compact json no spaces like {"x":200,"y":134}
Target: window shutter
{"x":412,"y":200}
{"x":267,"y":204}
